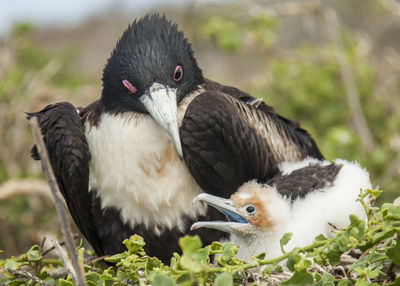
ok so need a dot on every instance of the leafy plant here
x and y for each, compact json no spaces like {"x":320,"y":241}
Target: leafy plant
{"x":370,"y":245}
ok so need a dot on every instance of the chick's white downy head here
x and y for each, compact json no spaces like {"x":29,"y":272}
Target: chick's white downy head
{"x":261,"y":206}
{"x":256,"y":215}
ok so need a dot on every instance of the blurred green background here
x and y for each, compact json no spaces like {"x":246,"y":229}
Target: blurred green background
{"x":333,"y":66}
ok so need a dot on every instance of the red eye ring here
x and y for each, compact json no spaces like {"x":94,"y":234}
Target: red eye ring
{"x":178,"y":73}
{"x":129,"y":86}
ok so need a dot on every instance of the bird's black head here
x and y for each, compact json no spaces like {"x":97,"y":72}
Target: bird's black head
{"x":151,"y":50}
{"x":151,"y":70}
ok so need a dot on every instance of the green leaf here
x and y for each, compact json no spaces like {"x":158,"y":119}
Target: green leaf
{"x":293,"y":258}
{"x":321,"y":237}
{"x":189,"y":244}
{"x":268,"y":270}
{"x":354,"y":220}
{"x":92,"y":276}
{"x":121,"y":275}
{"x":135,"y":244}
{"x":303,"y":264}
{"x":345,"y":283}
{"x":362,"y":282}
{"x":17,"y":283}
{"x":224,"y":279}
{"x":260,"y":256}
{"x":361,"y":263}
{"x":378,"y":237}
{"x":34,"y":254}
{"x":317,"y":277}
{"x":152,"y":263}
{"x":12,"y":264}
{"x":390,"y":211}
{"x":325,"y":280}
{"x":202,"y":254}
{"x":162,"y":279}
{"x":228,"y":252}
{"x":115,"y":258}
{"x":299,"y":278}
{"x":63,"y":282}
{"x":394,"y":253}
{"x":284,"y":240}
{"x":216,"y":246}
{"x":375,"y":193}
{"x":334,"y":251}
{"x":194,"y":257}
{"x":278,"y":268}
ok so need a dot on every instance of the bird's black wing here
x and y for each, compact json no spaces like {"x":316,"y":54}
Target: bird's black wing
{"x":303,"y":181}
{"x":299,"y":135}
{"x":227,"y":142}
{"x":69,"y":155}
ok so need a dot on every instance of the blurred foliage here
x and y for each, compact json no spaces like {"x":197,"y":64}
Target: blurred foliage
{"x":306,"y":86}
{"x":30,"y":77}
{"x":376,"y":262}
{"x":231,"y":34}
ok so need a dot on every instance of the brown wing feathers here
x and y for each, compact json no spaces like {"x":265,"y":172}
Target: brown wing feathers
{"x":227,"y":142}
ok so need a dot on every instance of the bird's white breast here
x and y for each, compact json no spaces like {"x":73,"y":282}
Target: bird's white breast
{"x":135,"y":168}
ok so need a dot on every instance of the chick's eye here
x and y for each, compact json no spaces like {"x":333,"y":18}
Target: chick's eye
{"x":250,"y":209}
{"x":129,"y":86}
{"x":178,"y":73}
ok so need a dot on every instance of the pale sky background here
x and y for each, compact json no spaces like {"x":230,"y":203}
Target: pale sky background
{"x":68,"y":12}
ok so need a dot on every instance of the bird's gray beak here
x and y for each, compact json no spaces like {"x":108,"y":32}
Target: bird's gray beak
{"x":160,"y":102}
{"x":225,"y":206}
{"x":229,"y":227}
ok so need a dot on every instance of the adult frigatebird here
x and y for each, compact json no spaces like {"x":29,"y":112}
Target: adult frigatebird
{"x":132,"y":161}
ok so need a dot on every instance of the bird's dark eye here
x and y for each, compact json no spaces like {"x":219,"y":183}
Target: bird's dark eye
{"x":129,"y":86}
{"x":250,"y":209}
{"x":178,"y":73}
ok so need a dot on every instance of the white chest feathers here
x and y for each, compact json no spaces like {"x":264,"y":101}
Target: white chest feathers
{"x":135,"y":168}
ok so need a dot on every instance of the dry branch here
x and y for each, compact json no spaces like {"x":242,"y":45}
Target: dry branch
{"x":26,"y":274}
{"x":391,"y":5}
{"x":357,"y":116}
{"x":75,"y":268}
{"x":59,"y":273}
{"x":13,"y":188}
{"x":62,"y":243}
{"x":63,"y":255}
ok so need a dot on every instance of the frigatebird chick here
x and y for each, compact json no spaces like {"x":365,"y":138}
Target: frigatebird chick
{"x":302,"y":199}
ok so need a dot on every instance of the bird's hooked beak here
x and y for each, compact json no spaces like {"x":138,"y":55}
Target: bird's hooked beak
{"x":225,"y":206}
{"x":160,"y":102}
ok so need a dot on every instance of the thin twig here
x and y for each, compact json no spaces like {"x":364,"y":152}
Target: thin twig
{"x":63,"y":255}
{"x":62,"y":243}
{"x":59,"y":273}
{"x":42,"y":245}
{"x":15,"y":187}
{"x":37,"y":264}
{"x":26,"y":274}
{"x":357,"y":116}
{"x":76,"y":270}
{"x":391,"y":5}
{"x":333,"y":226}
{"x":97,"y":259}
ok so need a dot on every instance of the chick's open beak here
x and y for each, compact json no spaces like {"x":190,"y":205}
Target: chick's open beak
{"x":225,"y":206}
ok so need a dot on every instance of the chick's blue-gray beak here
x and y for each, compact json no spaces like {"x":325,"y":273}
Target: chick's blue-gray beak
{"x":226,"y":207}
